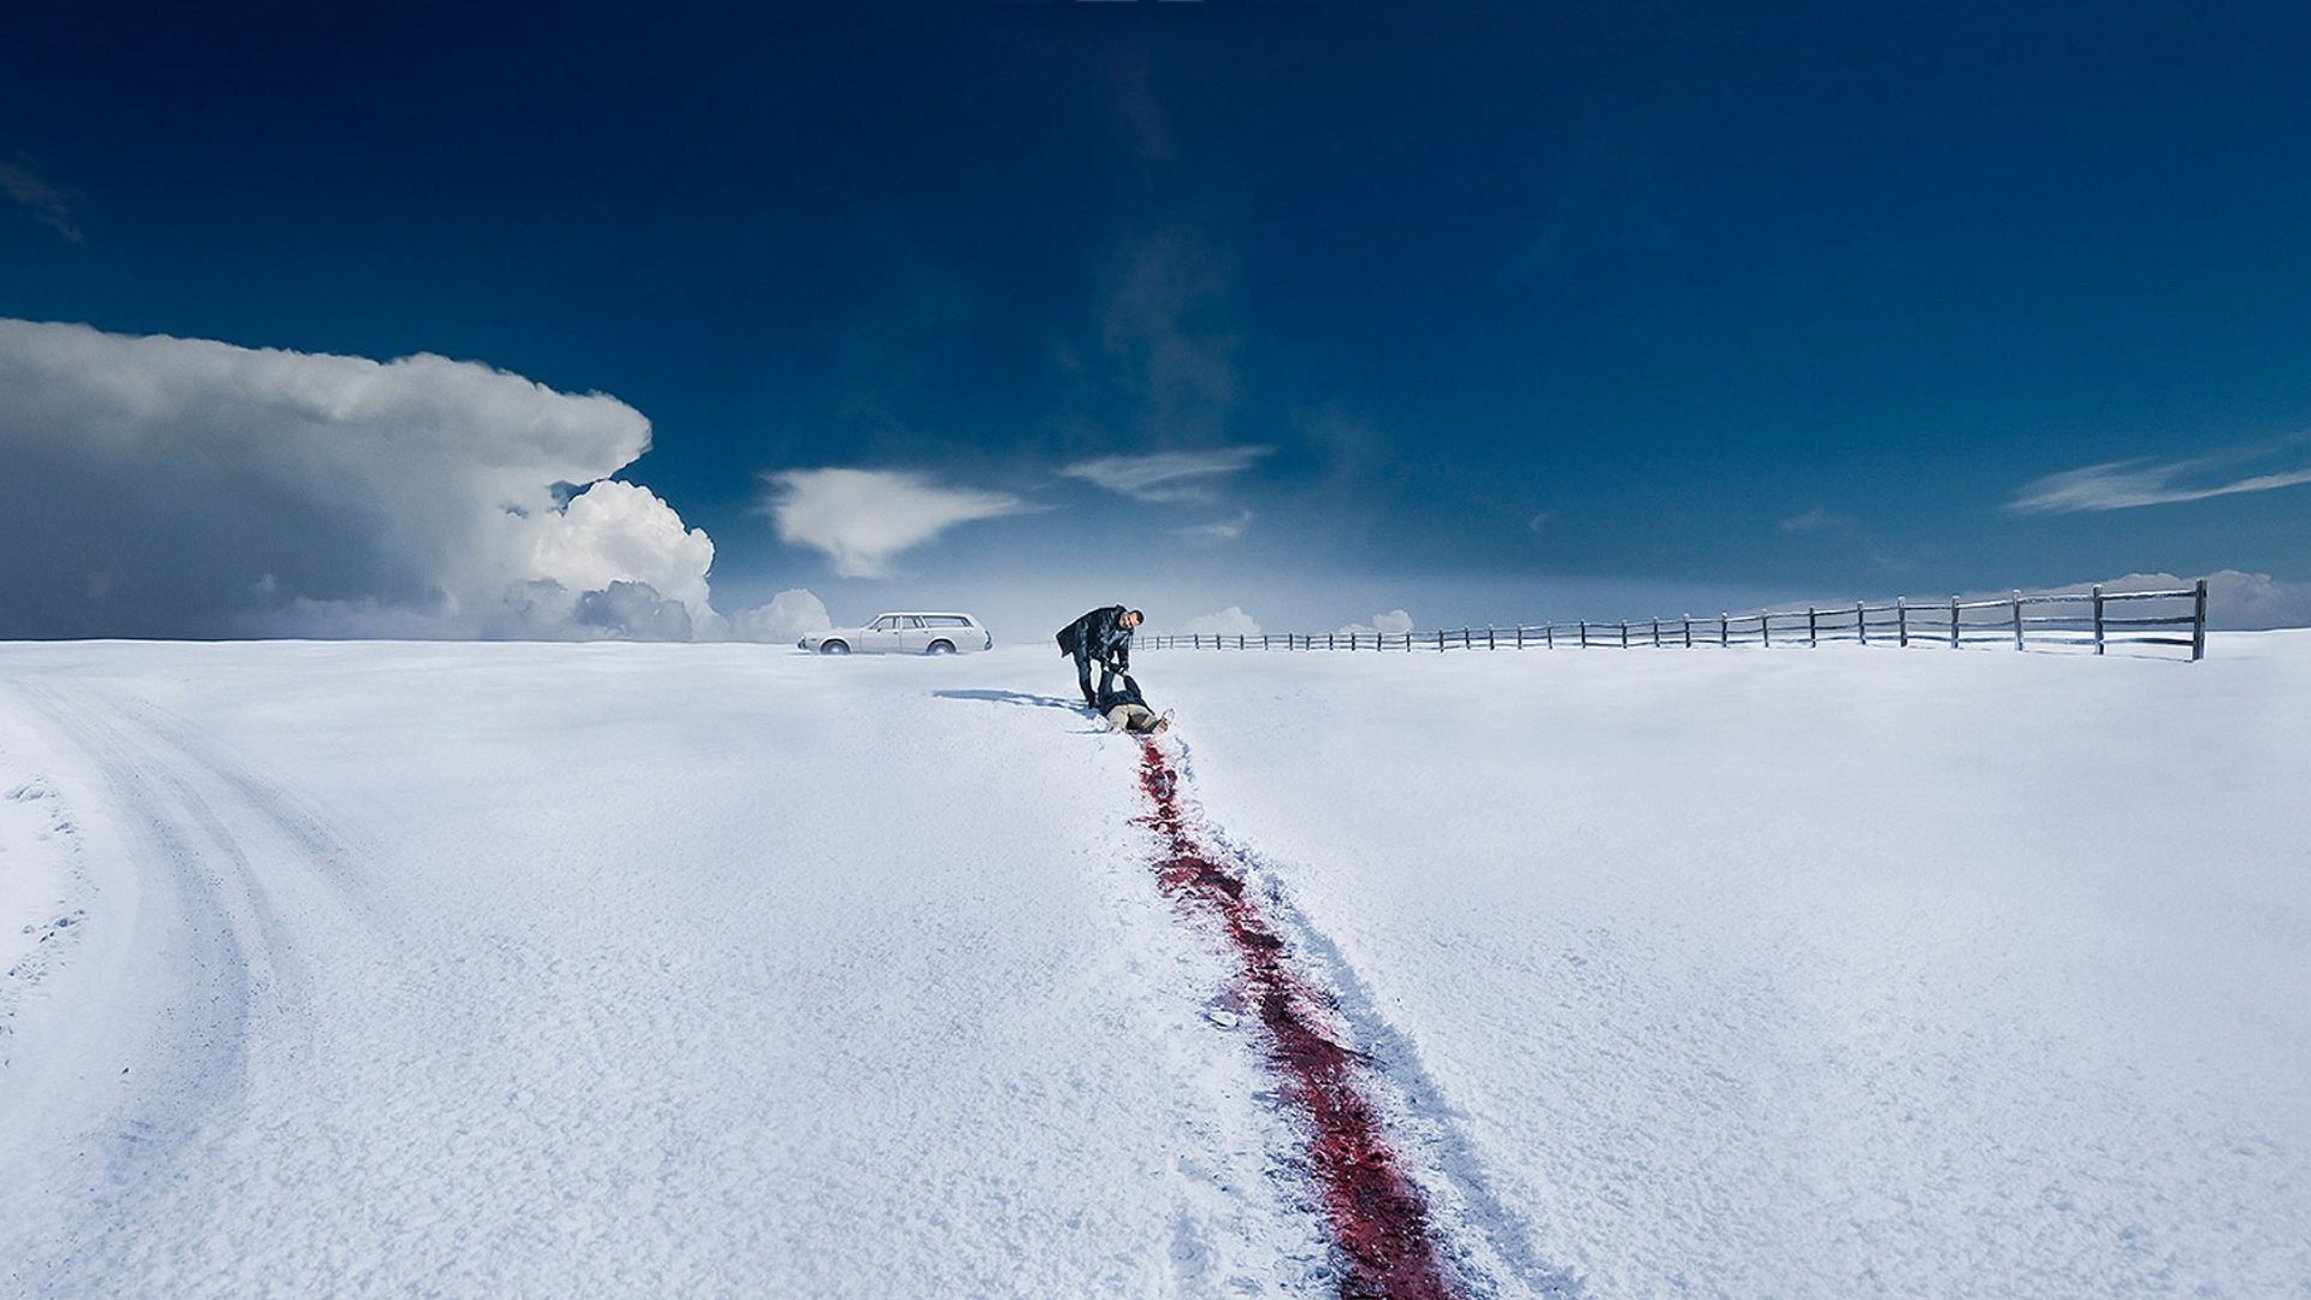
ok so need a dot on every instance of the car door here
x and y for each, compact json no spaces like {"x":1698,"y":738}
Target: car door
{"x":913,"y":638}
{"x":883,"y":636}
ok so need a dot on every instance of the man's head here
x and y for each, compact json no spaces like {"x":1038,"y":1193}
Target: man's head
{"x":1133,"y":618}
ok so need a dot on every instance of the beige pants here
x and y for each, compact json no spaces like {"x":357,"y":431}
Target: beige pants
{"x":1133,"y":717}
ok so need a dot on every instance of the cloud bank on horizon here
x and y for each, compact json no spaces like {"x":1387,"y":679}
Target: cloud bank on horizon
{"x":172,"y":487}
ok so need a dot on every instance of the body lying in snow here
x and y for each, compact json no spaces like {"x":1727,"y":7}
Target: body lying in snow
{"x":1126,"y":710}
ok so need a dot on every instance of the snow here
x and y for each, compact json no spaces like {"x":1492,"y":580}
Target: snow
{"x":618,"y":969}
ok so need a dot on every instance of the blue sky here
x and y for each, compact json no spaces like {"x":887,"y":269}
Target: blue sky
{"x":1484,"y":311}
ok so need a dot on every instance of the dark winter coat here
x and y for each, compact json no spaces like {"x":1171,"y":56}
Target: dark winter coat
{"x":1123,"y":691}
{"x":1099,"y":636}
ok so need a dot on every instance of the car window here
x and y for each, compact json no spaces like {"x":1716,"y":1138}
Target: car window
{"x":912,"y":621}
{"x":886,"y":623}
{"x":948,"y":620}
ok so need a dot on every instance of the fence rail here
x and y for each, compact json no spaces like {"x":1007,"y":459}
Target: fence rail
{"x":2022,"y":620}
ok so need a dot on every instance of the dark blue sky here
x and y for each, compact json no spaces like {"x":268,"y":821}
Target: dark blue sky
{"x":1798,"y":302}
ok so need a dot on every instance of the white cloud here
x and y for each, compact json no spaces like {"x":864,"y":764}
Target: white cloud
{"x":1393,"y":623}
{"x":159,"y":486}
{"x":1232,"y":621}
{"x":1166,"y":476}
{"x":2234,"y":599}
{"x":619,"y":532}
{"x":1812,"y":521}
{"x":790,"y":614}
{"x":864,"y":518}
{"x":2124,"y":484}
{"x":1222,"y":530}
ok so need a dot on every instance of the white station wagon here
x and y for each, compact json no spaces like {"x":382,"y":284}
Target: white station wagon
{"x":906,"y":633}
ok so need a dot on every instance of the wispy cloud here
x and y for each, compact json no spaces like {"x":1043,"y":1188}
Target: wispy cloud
{"x":864,"y":518}
{"x":1224,"y":530}
{"x":1166,"y":476}
{"x":2123,"y":484}
{"x":1812,"y":521}
{"x":50,"y":206}
{"x":1168,"y":327}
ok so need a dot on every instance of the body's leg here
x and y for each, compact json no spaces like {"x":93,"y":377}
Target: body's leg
{"x":1106,"y":676}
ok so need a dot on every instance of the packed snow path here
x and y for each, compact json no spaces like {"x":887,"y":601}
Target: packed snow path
{"x":717,"y":970}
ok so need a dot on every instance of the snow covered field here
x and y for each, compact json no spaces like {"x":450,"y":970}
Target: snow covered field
{"x":554,"y":970}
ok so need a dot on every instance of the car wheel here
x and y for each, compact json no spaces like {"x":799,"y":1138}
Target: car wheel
{"x":834,"y":648}
{"x":941,"y":648}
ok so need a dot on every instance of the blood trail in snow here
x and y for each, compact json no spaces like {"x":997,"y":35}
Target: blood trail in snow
{"x":1377,"y":1216}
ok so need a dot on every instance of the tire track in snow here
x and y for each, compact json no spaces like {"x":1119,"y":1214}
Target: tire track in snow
{"x":1386,"y":1233}
{"x":234,"y":977}
{"x":290,"y":816}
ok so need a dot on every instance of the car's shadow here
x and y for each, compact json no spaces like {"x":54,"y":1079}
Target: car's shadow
{"x":1023,"y":700}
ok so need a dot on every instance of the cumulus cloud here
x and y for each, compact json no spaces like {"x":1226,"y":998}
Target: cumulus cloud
{"x":48,"y":205}
{"x":864,"y":518}
{"x":1393,"y":623}
{"x":171,"y":487}
{"x":1166,"y":476}
{"x":619,"y":532}
{"x":633,"y":609}
{"x":2236,"y":600}
{"x":790,"y":615}
{"x":2124,"y":484}
{"x":1232,"y":621}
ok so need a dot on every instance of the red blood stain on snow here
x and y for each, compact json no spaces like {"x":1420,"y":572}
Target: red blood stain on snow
{"x":1376,"y":1215}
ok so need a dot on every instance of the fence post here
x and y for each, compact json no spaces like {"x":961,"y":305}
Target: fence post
{"x":2018,"y":619}
{"x":2098,"y":618}
{"x":1862,"y":622}
{"x":2199,"y":623}
{"x":1657,"y":634}
{"x":1813,"y":627}
{"x":1488,"y":638}
{"x":1584,"y":634}
{"x":1902,"y":621}
{"x":1689,"y":631}
{"x":1722,"y":620}
{"x":1953,"y":620}
{"x":1440,"y":640}
{"x":1520,"y":636}
{"x":1549,"y":633}
{"x":1624,"y":634}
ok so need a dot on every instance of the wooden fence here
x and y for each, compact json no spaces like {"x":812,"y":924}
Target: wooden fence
{"x":2070,"y":620}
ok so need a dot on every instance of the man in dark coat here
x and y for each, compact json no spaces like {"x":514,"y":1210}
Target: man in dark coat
{"x":1103,"y":635}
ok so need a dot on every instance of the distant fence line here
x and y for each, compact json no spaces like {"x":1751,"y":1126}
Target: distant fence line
{"x":2072,"y":619}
